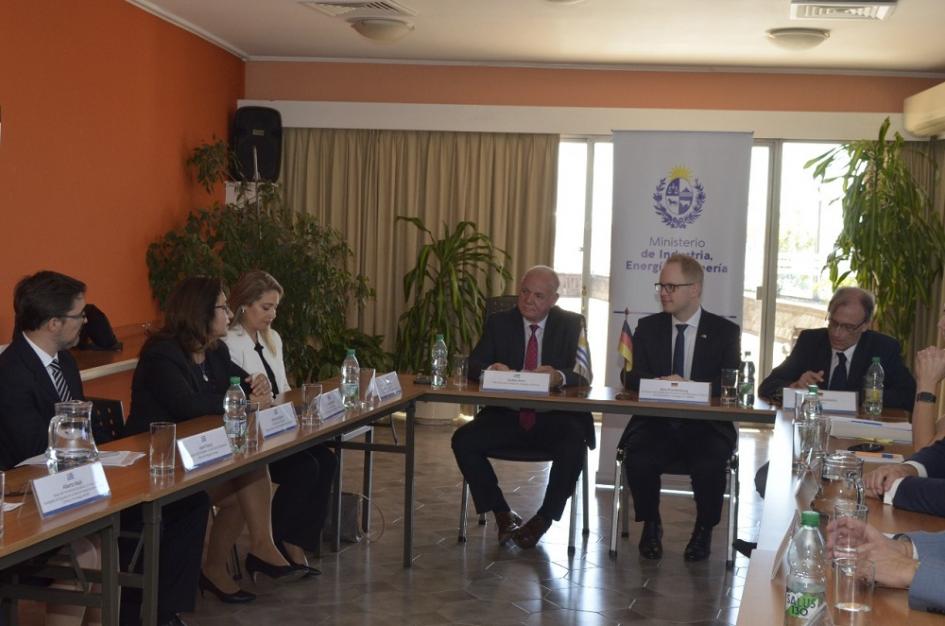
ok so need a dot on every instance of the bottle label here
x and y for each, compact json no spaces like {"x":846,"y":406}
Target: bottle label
{"x":874,"y":395}
{"x":800,"y":604}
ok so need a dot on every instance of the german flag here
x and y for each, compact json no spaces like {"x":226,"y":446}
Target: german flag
{"x":625,"y":345}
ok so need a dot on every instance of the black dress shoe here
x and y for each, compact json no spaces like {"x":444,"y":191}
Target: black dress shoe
{"x":700,"y":544}
{"x":307,"y":569}
{"x":744,"y":547}
{"x":238,"y":597}
{"x":278,"y":573}
{"x":651,"y":540}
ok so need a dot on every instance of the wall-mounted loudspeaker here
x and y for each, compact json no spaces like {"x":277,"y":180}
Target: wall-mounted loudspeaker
{"x":257,"y":141}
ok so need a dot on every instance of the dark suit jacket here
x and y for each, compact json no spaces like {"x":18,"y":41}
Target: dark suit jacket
{"x":503,"y":341}
{"x":925,"y":495}
{"x":165,"y":387}
{"x":717,"y":347}
{"x":812,"y":352}
{"x":27,"y":399}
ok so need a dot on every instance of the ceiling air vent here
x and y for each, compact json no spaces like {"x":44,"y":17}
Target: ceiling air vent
{"x":359,"y":8}
{"x":842,"y":9}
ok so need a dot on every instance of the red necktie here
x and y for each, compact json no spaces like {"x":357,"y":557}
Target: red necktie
{"x":526,"y":417}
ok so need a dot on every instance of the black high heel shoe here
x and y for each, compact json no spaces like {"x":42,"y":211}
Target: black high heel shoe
{"x":307,"y":570}
{"x":278,"y":573}
{"x":240,"y":597}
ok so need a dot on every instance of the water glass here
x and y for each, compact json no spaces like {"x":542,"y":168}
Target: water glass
{"x":459,"y":370}
{"x":729,"y":387}
{"x":162,"y":448}
{"x":846,"y":541}
{"x":311,"y":392}
{"x":799,"y":395}
{"x":805,"y":443}
{"x":252,"y":426}
{"x":854,"y":580}
{"x":367,"y":390}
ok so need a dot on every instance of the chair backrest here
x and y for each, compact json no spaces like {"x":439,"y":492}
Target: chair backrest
{"x":108,"y":419}
{"x":497,"y":304}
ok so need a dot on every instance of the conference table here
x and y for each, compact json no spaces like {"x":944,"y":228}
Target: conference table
{"x":28,"y":534}
{"x":763,"y":596}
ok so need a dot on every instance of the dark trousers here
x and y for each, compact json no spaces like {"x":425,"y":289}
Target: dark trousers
{"x":300,"y":505}
{"x":183,"y":526}
{"x":558,"y":433}
{"x":657,"y":445}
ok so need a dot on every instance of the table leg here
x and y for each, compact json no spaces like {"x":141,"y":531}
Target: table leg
{"x":366,"y":482}
{"x":110,"y":588}
{"x":336,"y":511}
{"x":408,"y":484}
{"x":151,"y":513}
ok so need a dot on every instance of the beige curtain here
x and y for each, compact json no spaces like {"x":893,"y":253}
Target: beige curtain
{"x":358,"y":181}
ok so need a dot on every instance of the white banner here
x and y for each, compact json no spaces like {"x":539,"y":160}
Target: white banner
{"x":684,"y":192}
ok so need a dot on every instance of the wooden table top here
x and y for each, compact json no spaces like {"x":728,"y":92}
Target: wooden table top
{"x":763,"y":598}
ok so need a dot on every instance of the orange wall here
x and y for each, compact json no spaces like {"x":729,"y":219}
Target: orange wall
{"x":101,"y":104}
{"x":525,"y":86}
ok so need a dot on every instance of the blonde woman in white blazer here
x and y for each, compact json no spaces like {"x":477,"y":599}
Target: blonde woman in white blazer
{"x":304,"y":479}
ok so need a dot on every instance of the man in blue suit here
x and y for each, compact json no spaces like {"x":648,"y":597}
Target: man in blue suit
{"x":535,"y":336}
{"x":684,"y":342}
{"x":916,"y":485}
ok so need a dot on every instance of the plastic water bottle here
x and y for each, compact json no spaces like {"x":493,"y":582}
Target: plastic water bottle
{"x":746,"y":382}
{"x":812,"y":407}
{"x":438,"y":359}
{"x":873,"y":388}
{"x":350,"y":380}
{"x":805,"y":599}
{"x":234,"y":415}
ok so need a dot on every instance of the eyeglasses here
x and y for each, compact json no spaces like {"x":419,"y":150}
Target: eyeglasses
{"x":79,"y":316}
{"x":833,"y":324}
{"x":225,"y":307}
{"x":670,"y":287}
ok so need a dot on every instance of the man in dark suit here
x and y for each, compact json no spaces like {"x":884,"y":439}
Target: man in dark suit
{"x":684,"y":342}
{"x":838,"y":356}
{"x":36,"y":372}
{"x":535,"y":336}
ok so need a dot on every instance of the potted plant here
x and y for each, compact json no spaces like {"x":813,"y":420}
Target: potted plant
{"x":308,"y":259}
{"x":891,"y":242}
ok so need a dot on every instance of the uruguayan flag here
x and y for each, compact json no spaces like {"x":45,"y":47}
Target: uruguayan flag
{"x":582,"y":361}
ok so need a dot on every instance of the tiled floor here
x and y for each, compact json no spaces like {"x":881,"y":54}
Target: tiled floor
{"x":482,"y":583}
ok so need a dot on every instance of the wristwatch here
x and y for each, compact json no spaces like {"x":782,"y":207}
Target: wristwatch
{"x":925,"y":396}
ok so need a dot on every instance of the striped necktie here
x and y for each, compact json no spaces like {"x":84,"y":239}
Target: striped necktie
{"x":60,"y":381}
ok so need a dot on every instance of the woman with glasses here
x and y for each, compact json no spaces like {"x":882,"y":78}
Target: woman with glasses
{"x":183,"y":372}
{"x":304,"y":479}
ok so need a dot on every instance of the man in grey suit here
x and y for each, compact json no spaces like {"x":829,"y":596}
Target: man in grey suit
{"x":535,"y":336}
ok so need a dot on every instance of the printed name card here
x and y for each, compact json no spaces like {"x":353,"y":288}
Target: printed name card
{"x":277,"y":419}
{"x":519,"y":382}
{"x":688,"y":391}
{"x":70,"y":488}
{"x":204,"y":448}
{"x":388,"y":386}
{"x":831,"y":401}
{"x":330,"y":404}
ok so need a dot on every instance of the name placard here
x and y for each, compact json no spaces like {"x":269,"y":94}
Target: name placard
{"x":204,"y":448}
{"x":70,"y":488}
{"x":518,"y":382}
{"x":388,"y":386}
{"x":277,"y":419}
{"x":688,"y":391}
{"x":330,"y":404}
{"x":831,"y":401}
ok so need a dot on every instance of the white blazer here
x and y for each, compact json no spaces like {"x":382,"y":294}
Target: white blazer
{"x":243,"y":353}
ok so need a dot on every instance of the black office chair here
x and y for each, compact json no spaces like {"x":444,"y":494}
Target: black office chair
{"x":108,"y":419}
{"x":621,"y":500}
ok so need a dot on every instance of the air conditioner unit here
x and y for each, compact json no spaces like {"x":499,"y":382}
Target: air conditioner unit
{"x":924,"y":113}
{"x":842,"y":9}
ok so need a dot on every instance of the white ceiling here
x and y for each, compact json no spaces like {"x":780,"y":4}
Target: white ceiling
{"x":691,"y":33}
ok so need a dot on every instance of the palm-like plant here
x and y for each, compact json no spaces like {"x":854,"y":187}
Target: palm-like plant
{"x":446,"y":291}
{"x":894,"y":244}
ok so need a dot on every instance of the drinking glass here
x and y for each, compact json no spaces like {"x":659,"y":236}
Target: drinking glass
{"x":805,"y":441}
{"x":459,"y":370}
{"x":162,"y":448}
{"x":846,"y":542}
{"x":854,"y":580}
{"x":310,"y":395}
{"x":799,"y":395}
{"x":252,"y":426}
{"x":729,"y":387}
{"x":367,"y":390}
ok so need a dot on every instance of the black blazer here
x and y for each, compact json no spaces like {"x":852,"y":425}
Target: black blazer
{"x":925,"y":495}
{"x":718,"y":346}
{"x":812,"y":352}
{"x":165,"y":386}
{"x":27,"y":399}
{"x":503,"y":341}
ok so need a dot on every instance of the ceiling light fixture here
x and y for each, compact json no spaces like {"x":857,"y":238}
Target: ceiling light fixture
{"x":798,"y":38}
{"x":381,"y":29}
